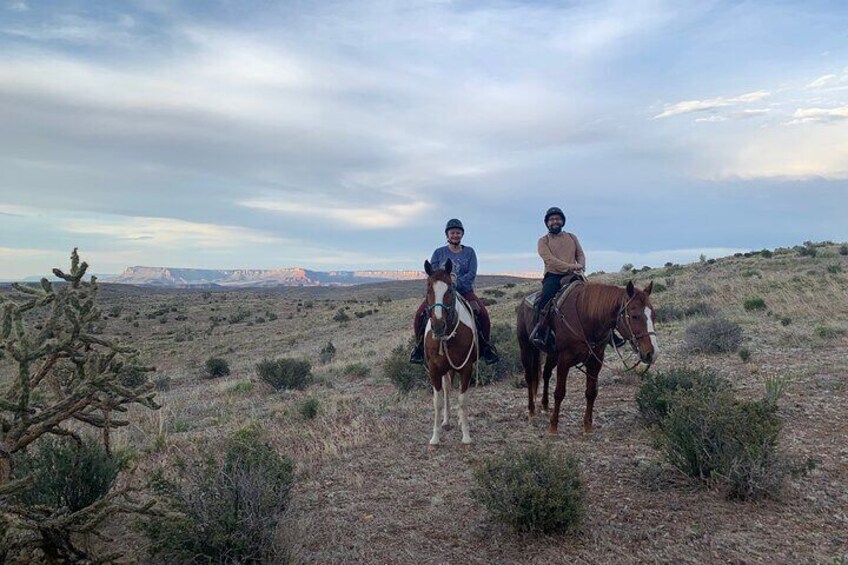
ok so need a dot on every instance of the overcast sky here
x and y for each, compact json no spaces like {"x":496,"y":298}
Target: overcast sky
{"x":343,"y":135}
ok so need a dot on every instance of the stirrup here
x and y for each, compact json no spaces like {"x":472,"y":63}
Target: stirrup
{"x":490,"y":354}
{"x":417,"y":355}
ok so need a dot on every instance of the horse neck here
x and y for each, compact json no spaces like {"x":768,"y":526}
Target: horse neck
{"x":600,"y":305}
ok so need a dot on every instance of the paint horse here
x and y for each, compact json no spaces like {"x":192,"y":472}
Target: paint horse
{"x":583,"y":322}
{"x":450,"y":346}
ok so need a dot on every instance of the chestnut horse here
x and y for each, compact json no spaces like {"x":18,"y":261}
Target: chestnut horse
{"x":583,"y":323}
{"x":450,"y":345}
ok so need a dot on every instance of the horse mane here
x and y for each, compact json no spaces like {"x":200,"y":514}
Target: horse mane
{"x":599,"y":300}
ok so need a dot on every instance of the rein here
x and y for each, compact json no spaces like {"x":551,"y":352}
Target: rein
{"x":452,"y":309}
{"x":622,"y":313}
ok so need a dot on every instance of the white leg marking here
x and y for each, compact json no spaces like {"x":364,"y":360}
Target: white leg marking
{"x":654,"y":343}
{"x":436,"y":428}
{"x":446,"y":385}
{"x":463,"y":419}
{"x":439,"y":290}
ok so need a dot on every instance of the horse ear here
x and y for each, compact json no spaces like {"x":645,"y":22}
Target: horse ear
{"x":630,"y":289}
{"x":448,"y":266}
{"x":649,"y":288}
{"x":428,"y":268}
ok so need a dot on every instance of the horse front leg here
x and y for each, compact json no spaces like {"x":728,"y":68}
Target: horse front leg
{"x":563,"y":364}
{"x":465,"y":381}
{"x":437,"y":429}
{"x":446,"y":386}
{"x":550,"y":363}
{"x":593,"y":368}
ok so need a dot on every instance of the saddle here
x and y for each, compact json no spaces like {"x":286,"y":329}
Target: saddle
{"x":559,"y":297}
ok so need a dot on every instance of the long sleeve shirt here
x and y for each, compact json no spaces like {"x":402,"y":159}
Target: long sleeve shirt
{"x":561,"y":253}
{"x":464,"y":266}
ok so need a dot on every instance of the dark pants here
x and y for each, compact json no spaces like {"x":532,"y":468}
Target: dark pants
{"x":550,"y":286}
{"x":483,"y":316}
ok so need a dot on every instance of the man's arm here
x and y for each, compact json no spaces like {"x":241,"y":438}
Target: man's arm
{"x":548,"y":257}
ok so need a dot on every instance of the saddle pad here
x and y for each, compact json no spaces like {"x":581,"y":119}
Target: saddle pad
{"x":560,"y":297}
{"x":531,"y":299}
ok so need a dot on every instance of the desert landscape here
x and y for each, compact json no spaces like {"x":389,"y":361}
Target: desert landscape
{"x":366,"y":487}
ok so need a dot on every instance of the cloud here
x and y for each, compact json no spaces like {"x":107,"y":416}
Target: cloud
{"x":822,"y":81}
{"x":168,"y":231}
{"x":19,"y":7}
{"x":819,"y":115}
{"x":374,"y":217}
{"x":690,"y":106}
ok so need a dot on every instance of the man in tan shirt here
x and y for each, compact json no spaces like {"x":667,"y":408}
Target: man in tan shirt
{"x":564,"y":260}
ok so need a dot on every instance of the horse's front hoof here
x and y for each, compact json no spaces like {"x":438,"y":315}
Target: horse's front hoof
{"x":552,"y":430}
{"x":587,"y":429}
{"x":467,"y":442}
{"x":433,"y":446}
{"x":446,"y":427}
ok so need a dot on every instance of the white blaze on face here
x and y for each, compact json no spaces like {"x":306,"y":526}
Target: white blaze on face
{"x":439,"y":290}
{"x":654,"y":343}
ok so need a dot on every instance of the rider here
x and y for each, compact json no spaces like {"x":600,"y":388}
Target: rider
{"x":464,"y":262}
{"x":564,"y":259}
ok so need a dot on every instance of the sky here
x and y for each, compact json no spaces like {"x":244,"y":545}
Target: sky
{"x":343,"y":135}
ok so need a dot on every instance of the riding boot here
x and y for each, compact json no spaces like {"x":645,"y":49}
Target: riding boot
{"x":539,"y":336}
{"x":487,"y":350}
{"x":417,"y":355}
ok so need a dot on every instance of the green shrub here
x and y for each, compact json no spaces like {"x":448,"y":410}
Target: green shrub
{"x":242,"y":387}
{"x":66,"y":474}
{"x":309,"y":408}
{"x":828,"y":332}
{"x":834,"y":269}
{"x":228,"y":509}
{"x":658,"y":388}
{"x":341,"y":316}
{"x":403,"y":374}
{"x":328,"y":352}
{"x":806,"y":250}
{"x":670,"y":312}
{"x":843,"y":249}
{"x":745,"y":354}
{"x":766,"y":253}
{"x":713,"y":335}
{"x":216,"y":367}
{"x":754,"y":303}
{"x":359,"y":370}
{"x":534,"y":491}
{"x":285,"y":374}
{"x":504,"y":338}
{"x":728,"y":442}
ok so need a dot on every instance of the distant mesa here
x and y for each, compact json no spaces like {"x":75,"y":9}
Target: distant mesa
{"x":209,"y":278}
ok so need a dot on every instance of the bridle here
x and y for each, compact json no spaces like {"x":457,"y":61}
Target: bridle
{"x":452,"y":318}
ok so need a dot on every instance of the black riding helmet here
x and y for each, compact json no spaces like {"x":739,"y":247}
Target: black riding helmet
{"x":453,"y":223}
{"x":554,"y":211}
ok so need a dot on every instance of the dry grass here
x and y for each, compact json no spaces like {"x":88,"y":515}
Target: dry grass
{"x":370,"y":491}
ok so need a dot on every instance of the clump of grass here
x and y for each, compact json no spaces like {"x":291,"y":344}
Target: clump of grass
{"x":785,"y":321}
{"x":309,"y":408}
{"x":504,"y":338}
{"x":242,"y":387}
{"x":745,"y":354}
{"x":358,"y":370}
{"x":216,"y":367}
{"x":828,"y":332}
{"x":834,"y":269}
{"x":671,"y":312}
{"x":328,"y":353}
{"x":713,"y":335}
{"x":754,"y":303}
{"x":285,"y":374}
{"x":341,"y":316}
{"x":536,"y":491}
{"x":403,"y":374}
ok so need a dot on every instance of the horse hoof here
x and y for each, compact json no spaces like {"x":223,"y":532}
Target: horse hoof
{"x":467,"y":442}
{"x":433,"y":446}
{"x":552,"y":430}
{"x":588,"y":430}
{"x":447,"y":427}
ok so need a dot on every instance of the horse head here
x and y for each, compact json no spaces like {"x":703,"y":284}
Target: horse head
{"x":441,"y":298}
{"x":636,"y":322}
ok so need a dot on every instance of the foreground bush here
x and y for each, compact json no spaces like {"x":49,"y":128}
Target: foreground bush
{"x":403,"y":374}
{"x":227,"y":510}
{"x":216,"y":367}
{"x":658,"y":388}
{"x":505,"y":340}
{"x":285,"y":374}
{"x":534,"y":491}
{"x":727,"y":442}
{"x":713,"y":335}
